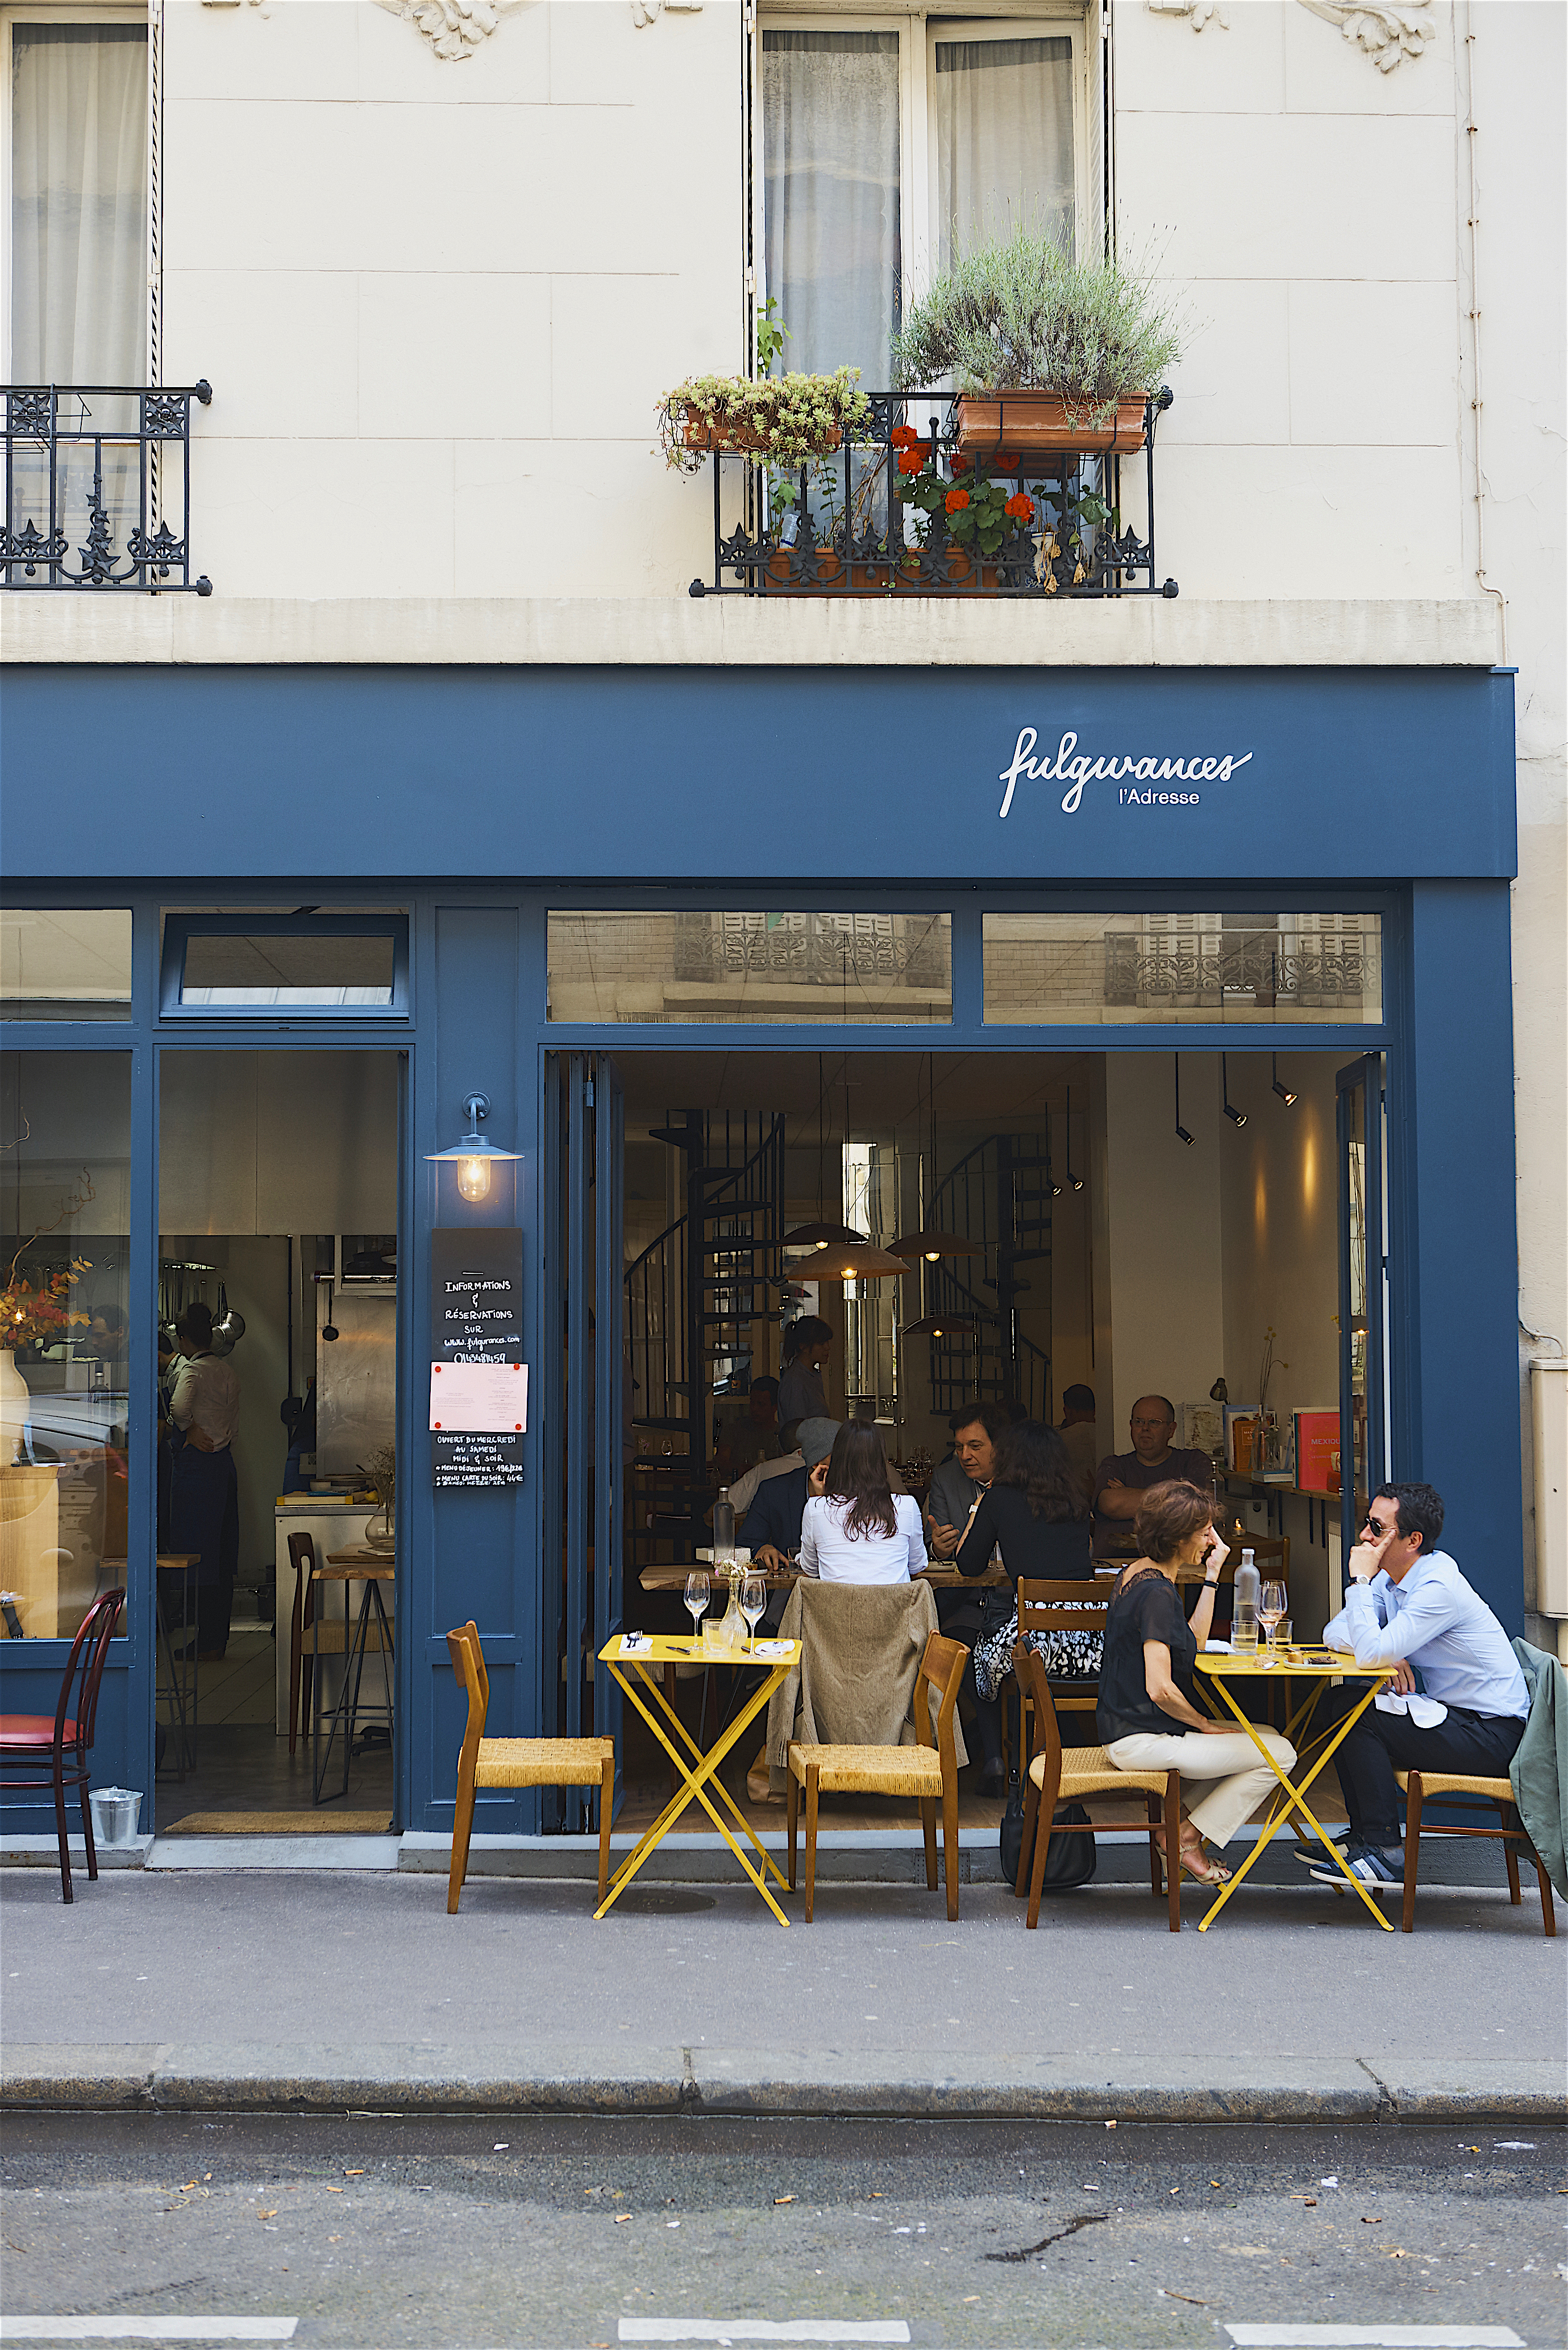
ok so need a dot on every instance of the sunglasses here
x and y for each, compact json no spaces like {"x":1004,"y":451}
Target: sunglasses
{"x":1375,"y":1526}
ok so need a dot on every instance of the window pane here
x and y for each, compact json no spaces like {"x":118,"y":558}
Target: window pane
{"x":1107,"y":970}
{"x":830,"y":140}
{"x":79,"y":203}
{"x":65,"y":1371}
{"x":60,"y":965}
{"x":292,"y":969}
{"x":1004,"y":141}
{"x":770,"y":968}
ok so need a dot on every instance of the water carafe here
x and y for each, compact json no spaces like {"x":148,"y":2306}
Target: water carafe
{"x":724,"y":1527}
{"x":1244,"y":1607}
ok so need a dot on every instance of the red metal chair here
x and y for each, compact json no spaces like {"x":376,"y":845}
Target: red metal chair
{"x":67,"y":1739}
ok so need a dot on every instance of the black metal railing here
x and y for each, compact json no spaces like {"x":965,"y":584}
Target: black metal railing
{"x":1262,"y":970}
{"x":98,"y":488}
{"x":874,"y":517}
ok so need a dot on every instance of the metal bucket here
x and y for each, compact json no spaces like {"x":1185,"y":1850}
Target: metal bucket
{"x":114,"y":1814}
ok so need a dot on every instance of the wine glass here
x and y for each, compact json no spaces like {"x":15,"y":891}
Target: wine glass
{"x":1271,"y":1611}
{"x":697,"y":1598}
{"x":754,"y":1602}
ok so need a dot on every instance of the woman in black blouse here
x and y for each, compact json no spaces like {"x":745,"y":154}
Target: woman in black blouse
{"x":1148,"y":1715}
{"x":1030,"y":1511}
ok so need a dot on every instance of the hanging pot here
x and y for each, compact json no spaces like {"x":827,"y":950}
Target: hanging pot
{"x":228,"y":1328}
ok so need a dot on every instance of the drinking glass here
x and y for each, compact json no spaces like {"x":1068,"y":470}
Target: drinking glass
{"x":697,"y":1598}
{"x":754,"y":1602}
{"x":1271,"y":1611}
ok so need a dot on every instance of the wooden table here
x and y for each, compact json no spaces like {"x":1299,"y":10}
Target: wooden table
{"x":371,"y":1567}
{"x":640,"y":1673}
{"x":1322,"y":1667}
{"x":941,"y":1579}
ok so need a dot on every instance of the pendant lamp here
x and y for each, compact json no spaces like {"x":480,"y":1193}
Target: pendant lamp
{"x":942,"y":1326}
{"x":821,"y":1234}
{"x":930,"y":1241}
{"x":853,"y":1261}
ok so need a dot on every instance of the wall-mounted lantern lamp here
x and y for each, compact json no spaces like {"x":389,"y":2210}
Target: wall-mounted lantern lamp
{"x":1237,"y":1116}
{"x":1181,"y":1133}
{"x":474,"y":1156}
{"x":1283,"y":1092}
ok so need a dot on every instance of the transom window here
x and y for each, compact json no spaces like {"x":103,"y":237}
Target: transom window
{"x":254,"y":964}
{"x":890,"y":144}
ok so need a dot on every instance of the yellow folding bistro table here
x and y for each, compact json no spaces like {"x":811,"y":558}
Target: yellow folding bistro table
{"x":637,"y":1661}
{"x":1321,"y":1667}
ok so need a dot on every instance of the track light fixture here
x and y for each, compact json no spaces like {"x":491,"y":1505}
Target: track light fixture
{"x":1181,"y":1133}
{"x":1237,"y":1116}
{"x":1074,"y":1183}
{"x":1283,"y":1091}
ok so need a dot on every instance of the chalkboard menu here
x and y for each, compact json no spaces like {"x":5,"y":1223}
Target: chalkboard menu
{"x":476,"y":1317}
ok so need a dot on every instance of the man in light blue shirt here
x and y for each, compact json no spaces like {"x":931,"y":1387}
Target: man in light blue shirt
{"x":1408,"y":1605}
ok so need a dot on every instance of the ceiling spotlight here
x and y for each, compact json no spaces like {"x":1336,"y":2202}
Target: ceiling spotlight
{"x":1237,"y":1116}
{"x":1283,"y":1091}
{"x":1181,"y":1133}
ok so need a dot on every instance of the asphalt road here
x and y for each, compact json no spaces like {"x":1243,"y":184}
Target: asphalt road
{"x":548,"y":2235}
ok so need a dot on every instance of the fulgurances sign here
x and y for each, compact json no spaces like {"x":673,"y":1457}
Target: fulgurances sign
{"x":1141,"y":782}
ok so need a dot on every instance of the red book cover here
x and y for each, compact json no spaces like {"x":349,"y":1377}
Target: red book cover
{"x":1317,"y":1443}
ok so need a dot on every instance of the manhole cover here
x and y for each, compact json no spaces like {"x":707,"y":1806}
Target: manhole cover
{"x":654,"y":1904}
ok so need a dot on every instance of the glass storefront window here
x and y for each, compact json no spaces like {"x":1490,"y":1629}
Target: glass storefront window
{"x":751,"y":968}
{"x":61,"y":965}
{"x":65,"y":1336}
{"x":1147,"y":969}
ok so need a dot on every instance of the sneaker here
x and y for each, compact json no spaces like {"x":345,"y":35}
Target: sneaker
{"x":1374,"y":1868}
{"x":1311,"y":1855}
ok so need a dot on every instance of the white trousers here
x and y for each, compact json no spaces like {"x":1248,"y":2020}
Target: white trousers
{"x":1242,"y":1780}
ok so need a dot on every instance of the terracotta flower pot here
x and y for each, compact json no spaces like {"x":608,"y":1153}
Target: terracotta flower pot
{"x":989,"y":421}
{"x":738,"y":440}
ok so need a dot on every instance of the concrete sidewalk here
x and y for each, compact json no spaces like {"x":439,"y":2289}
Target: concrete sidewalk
{"x":225,"y":1991}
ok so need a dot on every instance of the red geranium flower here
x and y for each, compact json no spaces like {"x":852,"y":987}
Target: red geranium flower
{"x":912,"y":461}
{"x":961,"y":463}
{"x":1021,"y":508}
{"x":1008,"y":464}
{"x":904,"y":436}
{"x":957,"y":500}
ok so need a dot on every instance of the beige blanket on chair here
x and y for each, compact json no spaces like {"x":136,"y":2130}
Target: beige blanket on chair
{"x":855,"y":1685}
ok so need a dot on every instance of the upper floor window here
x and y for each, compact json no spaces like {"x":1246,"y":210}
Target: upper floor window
{"x":889,"y":146}
{"x":77,"y":134}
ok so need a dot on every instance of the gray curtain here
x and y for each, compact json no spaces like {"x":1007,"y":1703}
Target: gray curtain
{"x":830,"y":137}
{"x":1004,"y":141}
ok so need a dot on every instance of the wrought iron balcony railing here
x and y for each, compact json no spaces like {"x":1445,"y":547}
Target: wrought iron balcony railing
{"x":877,"y":516}
{"x":98,"y":488}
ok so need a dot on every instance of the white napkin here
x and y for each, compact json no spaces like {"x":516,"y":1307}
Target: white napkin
{"x":1424,"y":1711}
{"x":1218,"y":1649}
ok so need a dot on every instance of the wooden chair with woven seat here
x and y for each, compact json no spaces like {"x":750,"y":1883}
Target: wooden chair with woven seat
{"x":1063,"y":1605}
{"x":1421,"y":1787}
{"x":1058,"y":1774}
{"x":518,"y":1763}
{"x":927,"y":1771}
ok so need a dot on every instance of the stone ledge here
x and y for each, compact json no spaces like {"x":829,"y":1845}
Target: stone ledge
{"x":1131,"y":632}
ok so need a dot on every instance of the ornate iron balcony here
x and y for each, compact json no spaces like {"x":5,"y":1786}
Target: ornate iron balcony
{"x":877,"y":516}
{"x":98,"y":488}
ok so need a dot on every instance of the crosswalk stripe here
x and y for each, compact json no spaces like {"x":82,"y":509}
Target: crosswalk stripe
{"x":760,"y":2329}
{"x":147,"y":2329}
{"x":1374,"y":2337}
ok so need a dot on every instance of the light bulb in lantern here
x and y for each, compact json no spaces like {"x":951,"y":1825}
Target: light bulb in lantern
{"x":474,"y":1179}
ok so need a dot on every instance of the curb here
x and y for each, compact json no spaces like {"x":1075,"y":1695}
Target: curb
{"x":1208,"y":2091}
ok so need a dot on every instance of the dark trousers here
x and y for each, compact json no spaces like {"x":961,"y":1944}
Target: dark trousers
{"x":1382,"y":1743}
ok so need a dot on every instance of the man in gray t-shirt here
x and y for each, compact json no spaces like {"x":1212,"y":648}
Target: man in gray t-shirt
{"x":1123,"y":1478}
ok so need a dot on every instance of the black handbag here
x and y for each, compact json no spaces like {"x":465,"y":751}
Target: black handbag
{"x":1070,"y":1861}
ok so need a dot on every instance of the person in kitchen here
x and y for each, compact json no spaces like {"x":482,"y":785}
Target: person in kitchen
{"x":203,"y":1488}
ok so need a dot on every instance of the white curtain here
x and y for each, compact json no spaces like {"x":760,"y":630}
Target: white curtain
{"x":79,"y":203}
{"x":1004,"y":141}
{"x":830,"y":133}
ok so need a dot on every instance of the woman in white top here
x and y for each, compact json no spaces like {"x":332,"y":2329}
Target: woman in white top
{"x":855,"y":1528}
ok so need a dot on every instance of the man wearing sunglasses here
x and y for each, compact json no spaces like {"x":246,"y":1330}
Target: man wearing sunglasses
{"x":1410,"y":1606}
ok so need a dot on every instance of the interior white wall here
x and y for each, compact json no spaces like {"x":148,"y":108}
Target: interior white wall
{"x":256,"y":1281}
{"x":1279,"y":1226}
{"x":1166,"y":1269}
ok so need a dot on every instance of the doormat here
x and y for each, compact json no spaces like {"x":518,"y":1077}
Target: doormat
{"x":313,"y":1823}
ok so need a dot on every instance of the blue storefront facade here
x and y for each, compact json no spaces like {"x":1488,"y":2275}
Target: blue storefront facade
{"x":479,"y":801}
